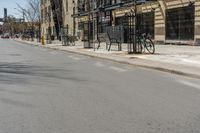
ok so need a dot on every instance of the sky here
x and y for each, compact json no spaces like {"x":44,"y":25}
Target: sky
{"x":10,"y":5}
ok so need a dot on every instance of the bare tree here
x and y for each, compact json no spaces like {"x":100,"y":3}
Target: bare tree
{"x":9,"y":25}
{"x":32,"y":15}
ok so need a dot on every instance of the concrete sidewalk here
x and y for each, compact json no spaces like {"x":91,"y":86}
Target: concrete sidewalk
{"x":182,"y":60}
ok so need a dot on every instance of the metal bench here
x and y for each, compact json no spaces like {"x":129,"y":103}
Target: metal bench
{"x":102,"y":37}
{"x":105,"y":37}
{"x":114,"y":41}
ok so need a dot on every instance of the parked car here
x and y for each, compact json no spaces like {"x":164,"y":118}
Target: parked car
{"x":5,"y":36}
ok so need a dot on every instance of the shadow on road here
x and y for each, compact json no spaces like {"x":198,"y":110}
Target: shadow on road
{"x":19,"y":73}
{"x":16,"y":103}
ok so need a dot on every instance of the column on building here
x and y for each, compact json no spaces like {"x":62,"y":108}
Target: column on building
{"x":160,"y":22}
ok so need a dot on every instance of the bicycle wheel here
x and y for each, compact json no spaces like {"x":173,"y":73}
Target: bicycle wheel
{"x":149,"y":45}
{"x":139,"y":45}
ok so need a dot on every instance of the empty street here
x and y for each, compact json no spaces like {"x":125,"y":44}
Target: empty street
{"x":50,"y":91}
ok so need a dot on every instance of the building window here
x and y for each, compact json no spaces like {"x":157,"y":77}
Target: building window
{"x":80,"y":25}
{"x":145,"y":23}
{"x":180,"y":23}
{"x":49,"y":14}
{"x":67,"y":5}
{"x":42,"y":15}
{"x":123,"y":21}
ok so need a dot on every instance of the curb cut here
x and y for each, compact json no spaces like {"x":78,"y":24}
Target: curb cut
{"x":172,"y":71}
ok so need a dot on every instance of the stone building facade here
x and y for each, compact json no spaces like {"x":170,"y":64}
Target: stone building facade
{"x":57,"y":15}
{"x":68,"y":19}
{"x":168,"y":21}
{"x":47,"y":23}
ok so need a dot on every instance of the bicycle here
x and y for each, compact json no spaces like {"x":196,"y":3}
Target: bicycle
{"x":145,"y":42}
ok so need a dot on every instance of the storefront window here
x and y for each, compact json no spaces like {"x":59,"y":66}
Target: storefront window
{"x":180,"y":23}
{"x":104,"y":21}
{"x":123,"y":21}
{"x":145,"y":23}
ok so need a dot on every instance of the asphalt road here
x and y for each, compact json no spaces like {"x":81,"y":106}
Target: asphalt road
{"x":49,"y":91}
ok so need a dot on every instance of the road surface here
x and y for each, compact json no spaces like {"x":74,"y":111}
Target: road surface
{"x":49,"y":91}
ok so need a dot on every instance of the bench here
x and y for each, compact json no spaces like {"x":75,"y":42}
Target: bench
{"x":69,"y":39}
{"x":105,"y":37}
{"x":102,"y":37}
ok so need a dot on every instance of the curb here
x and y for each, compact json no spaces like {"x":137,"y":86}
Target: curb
{"x":172,"y":71}
{"x":138,"y":65}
